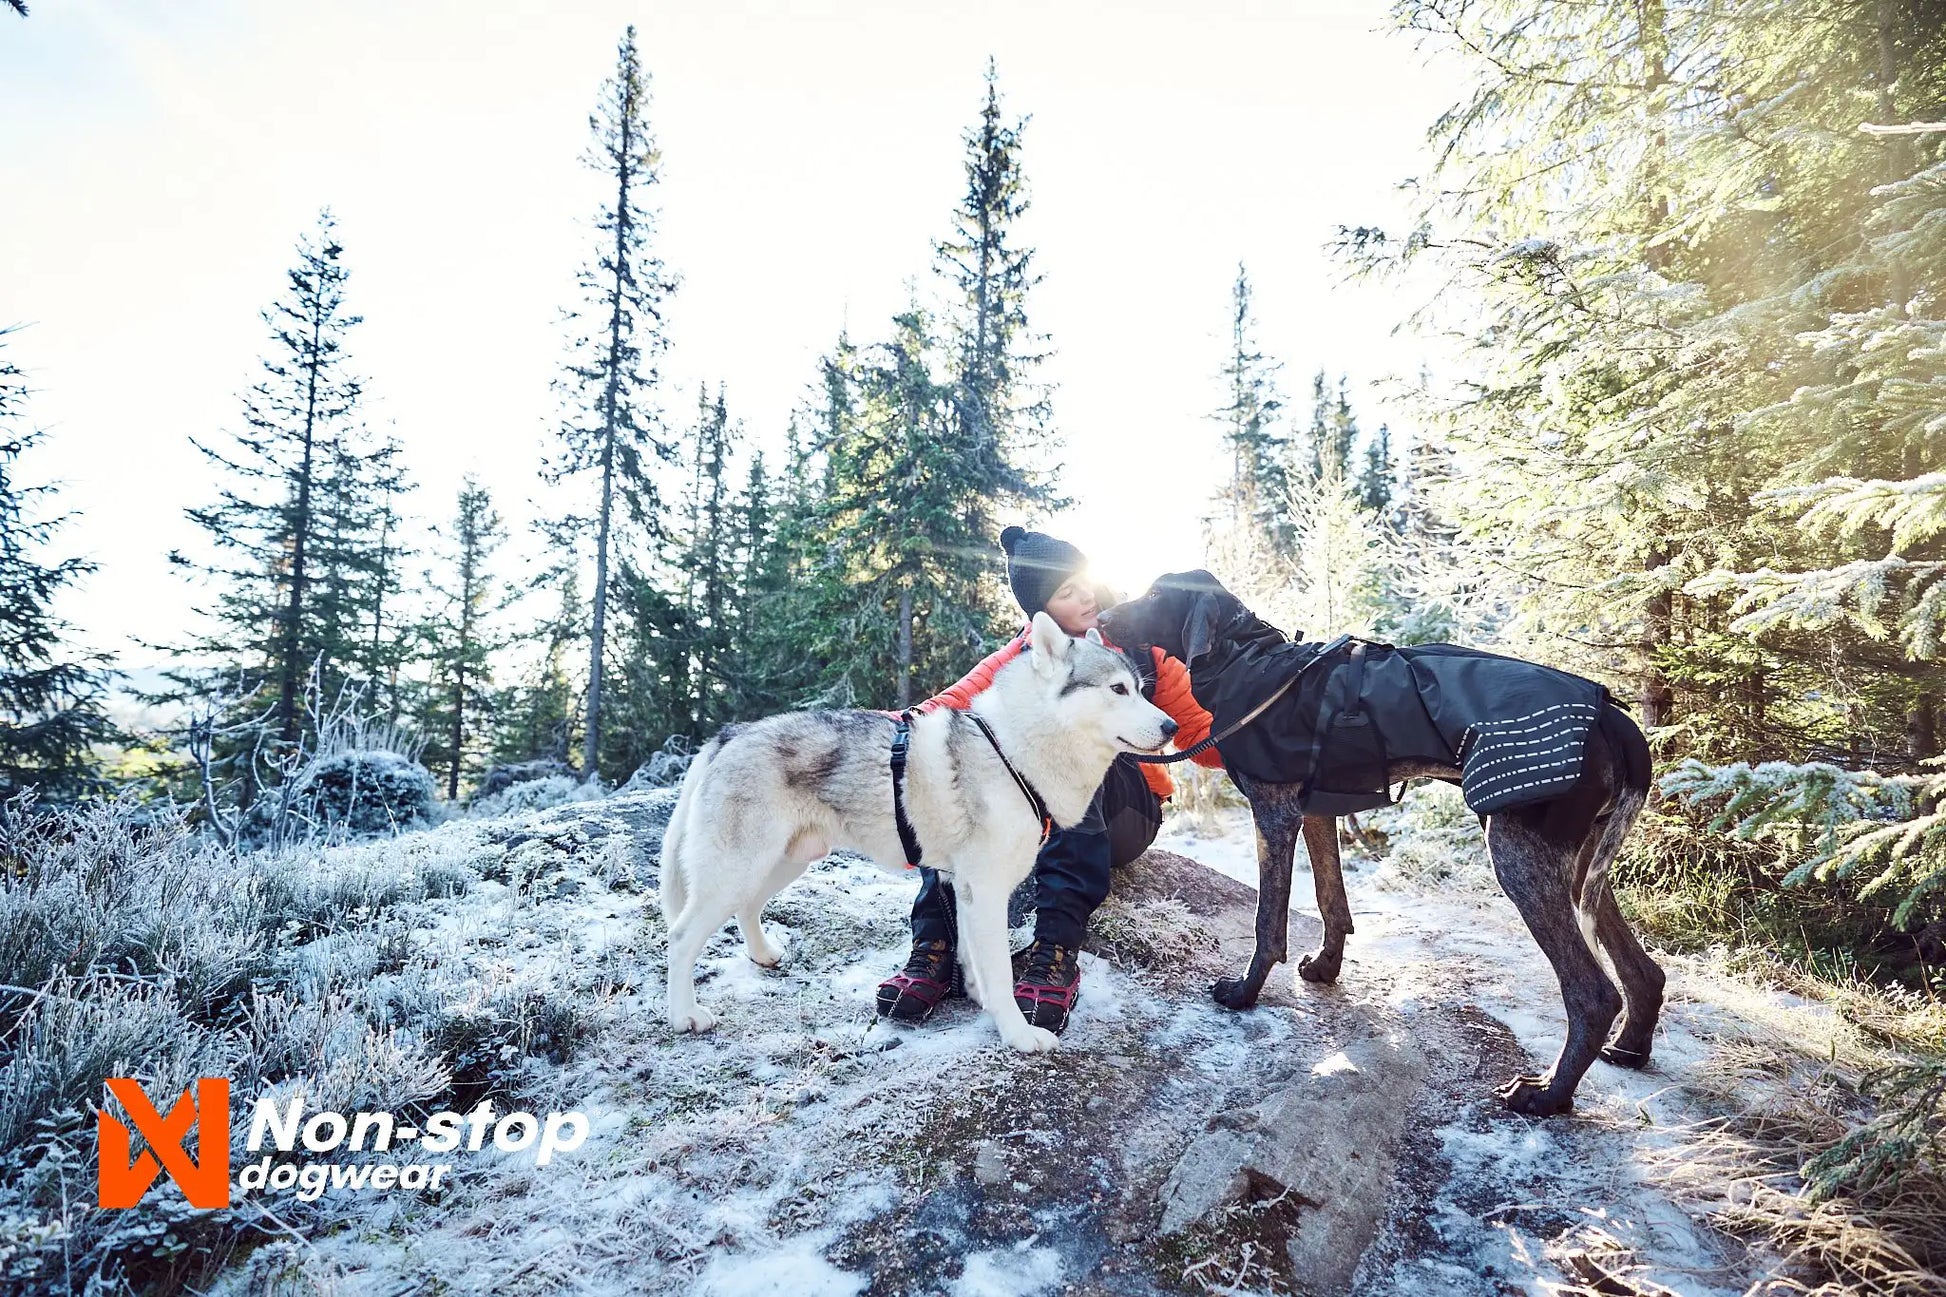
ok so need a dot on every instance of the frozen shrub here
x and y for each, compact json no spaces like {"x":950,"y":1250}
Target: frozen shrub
{"x":349,"y":794}
{"x":664,"y":768}
{"x":533,"y":795}
{"x":501,"y":778}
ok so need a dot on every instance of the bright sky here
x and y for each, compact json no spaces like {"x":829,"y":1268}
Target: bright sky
{"x":159,"y":161}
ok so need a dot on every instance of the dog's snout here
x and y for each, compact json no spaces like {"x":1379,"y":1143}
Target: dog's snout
{"x":1169,"y":728}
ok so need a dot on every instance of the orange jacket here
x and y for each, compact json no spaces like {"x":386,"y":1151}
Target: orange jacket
{"x":1171,"y":695}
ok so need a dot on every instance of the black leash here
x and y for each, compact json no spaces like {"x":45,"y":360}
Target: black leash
{"x":1197,"y":749}
{"x":901,"y":748}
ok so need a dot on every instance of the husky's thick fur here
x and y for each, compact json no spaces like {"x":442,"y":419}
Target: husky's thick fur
{"x":762,"y":801}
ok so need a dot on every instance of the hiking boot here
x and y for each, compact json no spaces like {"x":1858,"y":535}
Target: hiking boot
{"x":931,"y":975}
{"x":1050,"y":983}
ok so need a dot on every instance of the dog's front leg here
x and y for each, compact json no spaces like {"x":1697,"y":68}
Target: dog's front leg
{"x":1276,"y":843}
{"x":983,"y":918}
{"x":1334,"y":908}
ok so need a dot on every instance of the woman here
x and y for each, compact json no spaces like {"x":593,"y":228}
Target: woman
{"x":1071,"y":874}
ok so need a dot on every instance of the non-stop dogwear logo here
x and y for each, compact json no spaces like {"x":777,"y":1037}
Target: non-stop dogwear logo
{"x":205,"y":1179}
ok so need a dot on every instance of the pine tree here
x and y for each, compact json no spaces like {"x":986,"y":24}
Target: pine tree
{"x":610,"y":432}
{"x":292,"y":527}
{"x":905,"y":600}
{"x":1256,"y":493}
{"x":1000,"y":414}
{"x":459,"y":639}
{"x":50,"y":694}
{"x":707,"y":560}
{"x":535,"y":718}
{"x":1373,"y":484}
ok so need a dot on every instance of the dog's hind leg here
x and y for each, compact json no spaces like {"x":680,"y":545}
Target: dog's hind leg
{"x":705,"y":913}
{"x":1334,"y":907}
{"x":1277,"y":828}
{"x":1641,"y":977}
{"x":804,"y":848}
{"x":983,"y":921}
{"x":727,"y":870}
{"x":1533,"y":869}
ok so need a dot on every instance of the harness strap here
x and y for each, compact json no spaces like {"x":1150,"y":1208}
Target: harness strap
{"x":1204,"y":745}
{"x":901,"y":745}
{"x":1026,"y":789}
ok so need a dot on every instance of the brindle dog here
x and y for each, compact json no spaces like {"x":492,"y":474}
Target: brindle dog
{"x":1551,"y":858}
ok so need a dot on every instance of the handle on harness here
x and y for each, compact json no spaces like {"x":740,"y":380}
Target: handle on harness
{"x":1204,"y":745}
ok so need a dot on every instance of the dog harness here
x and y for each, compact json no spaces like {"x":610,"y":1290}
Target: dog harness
{"x":901,"y":749}
{"x":1516,"y":730}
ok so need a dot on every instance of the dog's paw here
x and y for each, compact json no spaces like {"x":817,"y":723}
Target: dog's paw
{"x":1034,"y":1040}
{"x":765,"y":958}
{"x":1633,"y":1059}
{"x":1234,"y":993}
{"x":1317,"y":968}
{"x":1532,"y":1097}
{"x":697,"y":1019}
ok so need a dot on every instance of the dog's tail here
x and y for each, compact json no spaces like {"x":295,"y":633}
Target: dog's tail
{"x":674,"y":889}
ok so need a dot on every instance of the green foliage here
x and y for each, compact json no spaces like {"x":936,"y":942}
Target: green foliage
{"x":1876,"y":832}
{"x":610,"y":434}
{"x":300,"y":548}
{"x":1698,"y":431}
{"x":50,"y":695}
{"x":459,"y":639}
{"x":1907,"y":1133}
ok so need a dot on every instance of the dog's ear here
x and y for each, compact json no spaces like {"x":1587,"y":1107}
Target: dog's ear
{"x":1094,"y":637}
{"x":1199,"y":627}
{"x":1049,"y":643}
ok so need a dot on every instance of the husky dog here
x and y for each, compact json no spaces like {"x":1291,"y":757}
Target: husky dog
{"x":762,"y":801}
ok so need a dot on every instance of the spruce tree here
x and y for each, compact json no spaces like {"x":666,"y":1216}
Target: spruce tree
{"x":1256,"y":492}
{"x":1001,"y":415}
{"x":707,"y":559}
{"x":460,"y":639}
{"x":1373,"y":482}
{"x":535,"y":717}
{"x":292,"y":529}
{"x":610,"y":432}
{"x":50,"y":694}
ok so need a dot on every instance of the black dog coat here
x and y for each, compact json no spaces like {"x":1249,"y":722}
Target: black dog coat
{"x":1517,"y":730}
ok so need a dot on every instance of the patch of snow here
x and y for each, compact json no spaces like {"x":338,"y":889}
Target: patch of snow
{"x":797,"y":1266}
{"x":1019,"y":1271}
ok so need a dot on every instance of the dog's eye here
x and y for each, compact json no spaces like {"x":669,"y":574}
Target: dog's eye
{"x":1119,"y":688}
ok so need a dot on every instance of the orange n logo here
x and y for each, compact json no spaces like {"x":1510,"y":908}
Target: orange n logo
{"x":205,"y":1182}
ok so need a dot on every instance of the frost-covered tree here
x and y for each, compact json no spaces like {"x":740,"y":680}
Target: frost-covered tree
{"x":1699,"y":421}
{"x":51,"y":693}
{"x":460,"y":639}
{"x":1248,"y":418}
{"x":610,"y":434}
{"x":295,"y":540}
{"x":1001,"y":414}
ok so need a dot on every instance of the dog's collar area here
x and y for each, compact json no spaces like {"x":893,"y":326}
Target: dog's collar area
{"x":1027,"y":790}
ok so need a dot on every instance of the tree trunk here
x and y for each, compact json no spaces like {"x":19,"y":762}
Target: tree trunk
{"x":459,"y":730}
{"x":591,"y":740}
{"x":1921,"y":737}
{"x":905,"y":649}
{"x":300,"y":534}
{"x":611,"y":398}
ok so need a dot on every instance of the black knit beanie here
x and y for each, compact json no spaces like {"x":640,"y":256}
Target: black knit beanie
{"x":1037,"y":564}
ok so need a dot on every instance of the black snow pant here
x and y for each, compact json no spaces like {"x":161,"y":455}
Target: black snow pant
{"x":1070,"y":878}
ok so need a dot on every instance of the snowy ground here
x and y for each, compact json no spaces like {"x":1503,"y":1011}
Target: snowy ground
{"x":802,"y":1148}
